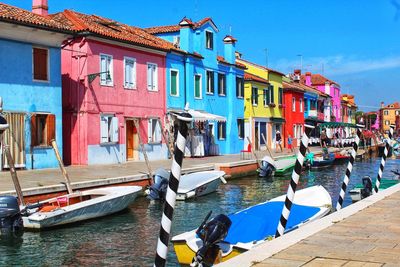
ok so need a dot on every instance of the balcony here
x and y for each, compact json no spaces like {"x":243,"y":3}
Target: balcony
{"x":312,"y":113}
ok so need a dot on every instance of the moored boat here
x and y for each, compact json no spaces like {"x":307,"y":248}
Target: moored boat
{"x":80,"y":206}
{"x":361,"y":191}
{"x":323,"y":161}
{"x":276,"y":167}
{"x":258,"y":224}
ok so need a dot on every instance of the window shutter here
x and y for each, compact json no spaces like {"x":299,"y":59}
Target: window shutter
{"x":127,"y":73}
{"x":271,"y":91}
{"x":149,"y":77}
{"x":103,"y":129}
{"x":40,"y":63}
{"x":237,"y":87}
{"x":158,"y":132}
{"x":51,"y":128}
{"x":173,"y":82}
{"x":114,"y":129}
{"x":224,"y":130}
{"x":149,"y":131}
{"x":134,"y":74}
{"x":196,"y":86}
{"x":103,"y":69}
{"x":33,"y":131}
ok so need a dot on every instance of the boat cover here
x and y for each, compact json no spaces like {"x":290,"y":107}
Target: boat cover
{"x":261,"y":221}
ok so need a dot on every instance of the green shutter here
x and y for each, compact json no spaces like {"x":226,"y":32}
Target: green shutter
{"x":272,"y":94}
{"x":197,"y":86}
{"x":174,"y":75}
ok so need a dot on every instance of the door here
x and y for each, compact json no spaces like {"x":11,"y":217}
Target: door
{"x":15,"y":138}
{"x":132,"y":141}
{"x":256,"y":137}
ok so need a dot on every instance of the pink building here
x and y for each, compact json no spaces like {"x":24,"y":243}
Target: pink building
{"x":329,"y":87}
{"x":112,"y":75}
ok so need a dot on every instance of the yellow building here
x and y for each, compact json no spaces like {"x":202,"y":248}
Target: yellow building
{"x":263,"y":104}
{"x":388,"y":115}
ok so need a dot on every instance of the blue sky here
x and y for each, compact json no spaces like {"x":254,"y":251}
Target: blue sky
{"x":354,"y":42}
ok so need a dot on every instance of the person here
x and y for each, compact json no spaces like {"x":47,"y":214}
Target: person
{"x":290,"y":141}
{"x":324,"y":138}
{"x":278,"y":140}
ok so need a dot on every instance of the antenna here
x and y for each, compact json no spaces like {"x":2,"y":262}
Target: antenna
{"x":301,"y":62}
{"x":323,"y":68}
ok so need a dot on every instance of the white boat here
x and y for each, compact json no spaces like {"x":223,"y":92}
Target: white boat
{"x":80,"y":206}
{"x":190,"y":185}
{"x":257,"y":224}
{"x":276,"y":167}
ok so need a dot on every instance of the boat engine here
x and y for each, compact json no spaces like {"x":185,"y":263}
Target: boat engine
{"x":10,"y":215}
{"x":211,"y":233}
{"x":158,"y":189}
{"x":366,"y":191}
{"x":267,"y":167}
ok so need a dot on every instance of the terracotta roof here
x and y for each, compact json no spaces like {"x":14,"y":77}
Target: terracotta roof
{"x":259,"y":66}
{"x":317,"y":79}
{"x":293,"y":86}
{"x":222,"y":60}
{"x":395,"y":105}
{"x":252,"y":77}
{"x":107,"y":28}
{"x":177,"y":27}
{"x":20,"y":16}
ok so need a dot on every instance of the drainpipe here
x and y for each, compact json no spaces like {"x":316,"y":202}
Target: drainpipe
{"x":184,"y":80}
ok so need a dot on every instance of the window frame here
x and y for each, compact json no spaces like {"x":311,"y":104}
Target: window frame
{"x":293,"y":104}
{"x":177,"y":82}
{"x":254,"y":97}
{"x":200,"y":85}
{"x":301,"y":105}
{"x":49,"y":133}
{"x":111,"y":70}
{"x":212,"y":86}
{"x":155,"y":77}
{"x":271,"y":94}
{"x":110,"y":126}
{"x":150,"y":138}
{"x":223,"y":133}
{"x":266,"y":97}
{"x":241,"y":131}
{"x":134,"y":73}
{"x":220,"y":74}
{"x":280,"y":96}
{"x":48,"y":64}
{"x":212,"y":39}
{"x":240,"y":91}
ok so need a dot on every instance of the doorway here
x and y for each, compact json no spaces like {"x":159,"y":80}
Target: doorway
{"x":132,"y":141}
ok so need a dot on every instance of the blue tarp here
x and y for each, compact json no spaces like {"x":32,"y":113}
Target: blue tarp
{"x":260,"y":221}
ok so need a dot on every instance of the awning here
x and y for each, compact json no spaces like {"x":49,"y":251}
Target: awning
{"x":313,"y":120}
{"x":205,"y":116}
{"x":338,"y":124}
{"x":278,"y":120}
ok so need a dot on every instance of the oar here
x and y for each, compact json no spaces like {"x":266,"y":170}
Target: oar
{"x":265,"y":142}
{"x":63,"y":170}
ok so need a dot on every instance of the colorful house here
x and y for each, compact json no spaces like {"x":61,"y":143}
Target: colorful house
{"x":387,"y":115}
{"x":208,"y":79}
{"x":348,"y":111}
{"x":30,"y":84}
{"x":274,"y":99}
{"x":113,"y":91}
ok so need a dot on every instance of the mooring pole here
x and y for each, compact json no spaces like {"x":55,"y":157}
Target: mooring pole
{"x":170,"y":198}
{"x":349,"y":168}
{"x":293,"y":183}
{"x":388,"y":145}
{"x":14,"y":175}
{"x":254,"y":153}
{"x":61,"y":164}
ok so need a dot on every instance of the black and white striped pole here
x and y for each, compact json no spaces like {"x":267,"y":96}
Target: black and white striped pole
{"x":349,"y":169}
{"x":388,"y":145}
{"x":293,"y":182}
{"x":170,"y":198}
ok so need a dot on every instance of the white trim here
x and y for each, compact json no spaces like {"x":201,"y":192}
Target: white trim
{"x":223,"y":73}
{"x":194,"y":87}
{"x":155,"y":78}
{"x":134,"y":74}
{"x":213,"y":73}
{"x":252,"y":98}
{"x":294,"y":104}
{"x":48,"y":65}
{"x":212,"y":41}
{"x":177,"y":82}
{"x":301,"y":103}
{"x":111,"y":69}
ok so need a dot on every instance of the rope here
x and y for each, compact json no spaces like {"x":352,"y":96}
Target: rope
{"x":383,"y":160}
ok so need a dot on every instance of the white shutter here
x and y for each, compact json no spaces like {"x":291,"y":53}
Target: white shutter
{"x":158,"y":132}
{"x":155,"y":78}
{"x":110,"y":70}
{"x":114,"y":129}
{"x":126,"y":82}
{"x":103,"y":129}
{"x":103,"y":69}
{"x":149,"y":78}
{"x":149,"y":131}
{"x":133,"y":78}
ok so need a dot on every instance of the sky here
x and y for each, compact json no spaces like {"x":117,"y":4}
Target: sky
{"x":353,"y":42}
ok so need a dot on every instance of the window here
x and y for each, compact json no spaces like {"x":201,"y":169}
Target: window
{"x":240,"y":123}
{"x":43,"y":129}
{"x":295,"y":131}
{"x":239,"y":87}
{"x":210,"y":82}
{"x":254,"y":96}
{"x":301,"y":104}
{"x":386,"y":112}
{"x":397,"y":112}
{"x":154,"y":131}
{"x":174,"y":83}
{"x":221,"y":130}
{"x":209,"y":40}
{"x":106,"y":69}
{"x":176,"y":41}
{"x":387,"y":123}
{"x":40,"y":64}
{"x":271,"y":94}
{"x":130,"y":73}
{"x":152,"y":77}
{"x":221,"y":84}
{"x":108,"y":129}
{"x":197,"y":86}
{"x":293,"y":104}
{"x":266,"y":97}
{"x":280,"y":100}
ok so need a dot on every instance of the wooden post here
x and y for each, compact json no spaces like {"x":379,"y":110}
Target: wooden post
{"x":61,"y":164}
{"x":265,"y":141}
{"x":254,"y":153}
{"x":14,"y":176}
{"x":142,"y":147}
{"x":165,"y":138}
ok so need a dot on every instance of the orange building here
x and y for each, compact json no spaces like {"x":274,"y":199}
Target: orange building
{"x":388,"y":115}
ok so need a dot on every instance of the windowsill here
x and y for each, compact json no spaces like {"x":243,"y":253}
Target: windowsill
{"x":106,"y":85}
{"x":241,"y":138}
{"x":130,"y":88}
{"x":221,"y":95}
{"x":209,"y":93}
{"x":210,"y":48}
{"x":198,"y":98}
{"x":41,"y":81}
{"x":239,"y":97}
{"x":174,"y":95}
{"x":156,"y":90}
{"x":221,"y":139}
{"x":254,"y":105}
{"x":108,"y":143}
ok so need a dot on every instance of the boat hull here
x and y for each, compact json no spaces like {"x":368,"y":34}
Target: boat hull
{"x":199,"y":184}
{"x":89,"y":209}
{"x":202,"y":190}
{"x":355,"y":193}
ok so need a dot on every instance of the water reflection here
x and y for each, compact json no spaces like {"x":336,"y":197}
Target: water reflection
{"x":129,"y":238}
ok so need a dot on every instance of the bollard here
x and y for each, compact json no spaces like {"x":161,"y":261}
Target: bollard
{"x":170,"y":198}
{"x":388,"y":145}
{"x":349,"y":169}
{"x":293,"y":183}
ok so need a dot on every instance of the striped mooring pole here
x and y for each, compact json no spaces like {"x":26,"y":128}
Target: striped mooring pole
{"x":349,"y":169}
{"x":293,"y":183}
{"x":170,"y":198}
{"x":383,"y":160}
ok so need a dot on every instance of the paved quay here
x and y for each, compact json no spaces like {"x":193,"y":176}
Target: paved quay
{"x":366,"y":233}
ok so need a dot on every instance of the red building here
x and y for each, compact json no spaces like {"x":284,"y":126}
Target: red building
{"x":293,"y":93}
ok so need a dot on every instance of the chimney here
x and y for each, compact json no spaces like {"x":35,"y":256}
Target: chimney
{"x":308,"y":78}
{"x":186,"y":35}
{"x":382,"y":104}
{"x":40,"y":7}
{"x":297,"y":75}
{"x":229,"y":49}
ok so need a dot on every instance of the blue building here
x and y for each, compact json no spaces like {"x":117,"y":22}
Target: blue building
{"x":204,"y":74}
{"x":30,"y":85}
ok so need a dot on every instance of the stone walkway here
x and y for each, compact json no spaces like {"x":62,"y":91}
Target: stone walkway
{"x":371,"y":237}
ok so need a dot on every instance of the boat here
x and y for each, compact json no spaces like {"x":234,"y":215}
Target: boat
{"x":191,"y":185}
{"x":79,"y":206}
{"x":276,"y":167}
{"x":255,"y":225}
{"x":342,"y":156}
{"x":322,"y":161}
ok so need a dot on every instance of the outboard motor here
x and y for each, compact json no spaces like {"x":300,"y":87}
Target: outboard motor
{"x":267,"y":167}
{"x":10,"y":215}
{"x":158,"y":189}
{"x":211,"y":233}
{"x":366,"y":191}
{"x":309,"y":160}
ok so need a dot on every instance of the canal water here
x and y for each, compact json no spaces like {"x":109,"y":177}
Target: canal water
{"x":129,"y":238}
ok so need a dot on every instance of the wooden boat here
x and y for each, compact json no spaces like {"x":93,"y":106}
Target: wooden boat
{"x":258,"y":224}
{"x":80,"y":206}
{"x":355,"y":193}
{"x":191,"y":185}
{"x":276,"y":167}
{"x":342,"y":156}
{"x":319,"y":161}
